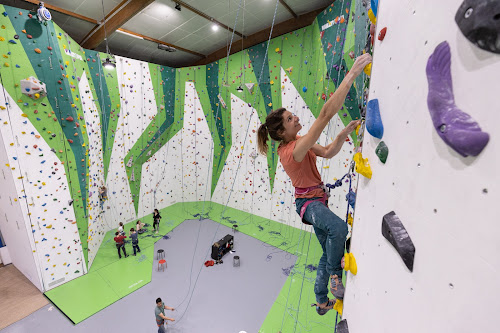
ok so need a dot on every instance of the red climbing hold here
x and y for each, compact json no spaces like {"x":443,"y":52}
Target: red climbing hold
{"x":323,"y":96}
{"x":70,"y":141}
{"x":49,"y":48}
{"x":69,"y":118}
{"x":381,"y":34}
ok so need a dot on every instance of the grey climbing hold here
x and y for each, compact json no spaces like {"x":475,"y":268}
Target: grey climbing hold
{"x":342,"y":326}
{"x":479,"y":21}
{"x":394,"y":231}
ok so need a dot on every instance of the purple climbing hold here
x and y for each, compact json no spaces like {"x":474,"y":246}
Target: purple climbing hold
{"x":455,"y":127}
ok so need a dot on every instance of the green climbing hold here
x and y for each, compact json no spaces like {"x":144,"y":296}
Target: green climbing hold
{"x":382,"y":151}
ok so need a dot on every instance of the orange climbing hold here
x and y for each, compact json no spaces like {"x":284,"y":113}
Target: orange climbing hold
{"x":37,"y":50}
{"x":381,"y":34}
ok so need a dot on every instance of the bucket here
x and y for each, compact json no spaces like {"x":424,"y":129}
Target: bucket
{"x":236,"y":261}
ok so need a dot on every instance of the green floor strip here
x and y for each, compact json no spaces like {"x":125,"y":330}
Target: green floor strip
{"x":111,"y":279}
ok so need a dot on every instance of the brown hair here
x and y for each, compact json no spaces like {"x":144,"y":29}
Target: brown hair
{"x":273,"y":127}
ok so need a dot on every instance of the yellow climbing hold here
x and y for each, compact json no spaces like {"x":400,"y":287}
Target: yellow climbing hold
{"x":270,"y":104}
{"x":350,"y":263}
{"x":277,"y":49}
{"x":350,"y":219}
{"x":339,"y":306}
{"x":1,"y":39}
{"x":24,"y":115}
{"x":6,"y":64}
{"x":371,"y":16}
{"x":362,"y":165}
{"x":368,"y":69}
{"x":49,"y":226}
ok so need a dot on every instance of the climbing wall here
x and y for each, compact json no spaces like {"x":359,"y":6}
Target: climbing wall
{"x":155,"y":135}
{"x":444,"y":200}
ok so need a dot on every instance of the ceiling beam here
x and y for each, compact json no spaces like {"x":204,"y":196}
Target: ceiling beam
{"x":262,"y":36}
{"x":114,"y":20}
{"x":288,"y":8}
{"x":64,"y":11}
{"x":211,"y":19}
{"x":154,"y":40}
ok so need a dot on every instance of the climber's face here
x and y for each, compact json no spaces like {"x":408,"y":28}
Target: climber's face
{"x":292,"y":126}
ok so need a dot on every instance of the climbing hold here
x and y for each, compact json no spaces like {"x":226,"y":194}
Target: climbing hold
{"x":49,"y":48}
{"x":69,"y":118}
{"x":37,"y":50}
{"x":362,"y":165}
{"x":478,"y":20}
{"x":29,"y":36}
{"x":351,"y":198}
{"x":342,"y":326}
{"x":350,"y":219}
{"x":371,"y":16}
{"x":381,"y":34}
{"x":339,"y":306}
{"x":374,"y":124}
{"x":352,"y":55}
{"x":69,"y":140}
{"x":382,"y":151}
{"x":368,"y":69}
{"x":304,"y":89}
{"x":455,"y":127}
{"x":350,"y":263}
{"x":12,"y":41}
{"x":394,"y":231}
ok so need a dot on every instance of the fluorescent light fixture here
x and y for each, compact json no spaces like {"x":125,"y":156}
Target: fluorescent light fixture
{"x":166,"y":48}
{"x":129,"y":34}
{"x":215,"y":27}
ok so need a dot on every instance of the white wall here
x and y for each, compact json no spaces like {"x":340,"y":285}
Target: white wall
{"x":138,"y":106}
{"x":97,"y":225}
{"x":439,"y":196}
{"x":43,"y":194}
{"x":14,"y":231}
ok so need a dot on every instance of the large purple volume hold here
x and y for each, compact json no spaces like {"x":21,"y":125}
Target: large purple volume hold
{"x":455,"y":127}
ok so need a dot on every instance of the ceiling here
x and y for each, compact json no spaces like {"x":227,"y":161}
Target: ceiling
{"x":161,"y":22}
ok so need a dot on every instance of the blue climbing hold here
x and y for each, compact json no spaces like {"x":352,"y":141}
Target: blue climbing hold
{"x":304,"y":89}
{"x":374,"y":4}
{"x":351,"y":198}
{"x":374,"y":124}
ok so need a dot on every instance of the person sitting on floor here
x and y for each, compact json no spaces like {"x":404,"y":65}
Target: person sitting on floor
{"x":139,"y":227}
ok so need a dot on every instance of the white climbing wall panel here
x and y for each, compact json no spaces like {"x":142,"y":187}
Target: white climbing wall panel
{"x":445,"y":201}
{"x":44,"y":196}
{"x":97,"y":226}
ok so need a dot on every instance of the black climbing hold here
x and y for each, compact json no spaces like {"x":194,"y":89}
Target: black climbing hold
{"x":479,"y":21}
{"x":342,"y":326}
{"x":394,"y":231}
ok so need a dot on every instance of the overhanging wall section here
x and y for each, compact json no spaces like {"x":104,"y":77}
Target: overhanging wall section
{"x":445,"y":201}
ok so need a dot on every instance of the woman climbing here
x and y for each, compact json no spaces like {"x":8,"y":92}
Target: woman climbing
{"x":298,"y":157}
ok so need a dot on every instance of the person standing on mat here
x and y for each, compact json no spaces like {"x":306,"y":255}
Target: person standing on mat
{"x":135,"y":240}
{"x":120,"y":229}
{"x":156,"y":220}
{"x":298,"y":157}
{"x":120,"y":244}
{"x":160,"y":315}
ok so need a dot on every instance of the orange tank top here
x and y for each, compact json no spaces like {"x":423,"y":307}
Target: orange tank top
{"x":303,"y":174}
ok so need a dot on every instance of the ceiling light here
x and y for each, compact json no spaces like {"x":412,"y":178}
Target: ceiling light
{"x":178,"y":6}
{"x":129,"y":34}
{"x":108,"y":64}
{"x":239,"y":89}
{"x":215,"y":27}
